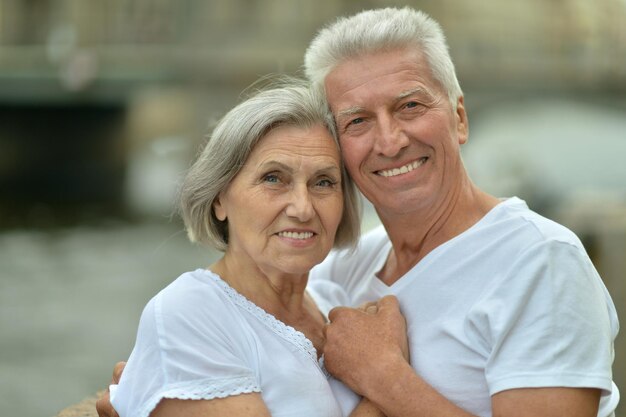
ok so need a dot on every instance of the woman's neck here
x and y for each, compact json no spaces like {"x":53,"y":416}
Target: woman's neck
{"x":282,"y":295}
{"x":275,"y":290}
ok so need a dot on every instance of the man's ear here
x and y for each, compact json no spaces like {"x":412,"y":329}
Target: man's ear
{"x":462,"y":122}
{"x":219,"y":209}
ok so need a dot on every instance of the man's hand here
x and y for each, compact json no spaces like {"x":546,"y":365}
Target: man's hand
{"x":361,"y":342}
{"x":103,"y":405}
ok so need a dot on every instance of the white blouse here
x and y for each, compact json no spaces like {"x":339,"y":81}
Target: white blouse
{"x":200,"y":339}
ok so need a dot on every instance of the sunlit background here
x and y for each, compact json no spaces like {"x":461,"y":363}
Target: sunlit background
{"x":104,"y":103}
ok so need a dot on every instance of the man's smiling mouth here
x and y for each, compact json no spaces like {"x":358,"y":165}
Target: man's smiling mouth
{"x":403,"y":169}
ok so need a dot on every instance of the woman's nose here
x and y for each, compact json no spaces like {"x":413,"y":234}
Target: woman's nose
{"x":299,"y":205}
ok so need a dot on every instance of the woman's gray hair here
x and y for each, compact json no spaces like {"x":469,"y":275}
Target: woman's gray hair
{"x":378,"y":30}
{"x":289,"y":102}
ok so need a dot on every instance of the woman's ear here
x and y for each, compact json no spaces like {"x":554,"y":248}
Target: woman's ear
{"x":219,"y":209}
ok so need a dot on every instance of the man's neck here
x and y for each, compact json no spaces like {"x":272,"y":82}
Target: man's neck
{"x":415,"y":235}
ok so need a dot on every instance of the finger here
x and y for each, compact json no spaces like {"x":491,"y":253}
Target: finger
{"x":325,"y":329}
{"x":364,"y":306}
{"x":104,"y":408}
{"x":371,"y":309}
{"x":336,"y":312}
{"x":117,"y":372}
{"x":388,"y":302}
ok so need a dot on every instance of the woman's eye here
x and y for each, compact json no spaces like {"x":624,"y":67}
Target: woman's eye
{"x":326,"y":183}
{"x":271,"y":178}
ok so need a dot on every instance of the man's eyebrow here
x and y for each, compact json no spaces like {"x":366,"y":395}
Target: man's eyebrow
{"x":421,"y":91}
{"x":417,"y":90}
{"x":350,"y":111}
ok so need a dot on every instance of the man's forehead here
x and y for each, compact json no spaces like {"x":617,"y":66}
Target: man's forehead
{"x":405,"y":65}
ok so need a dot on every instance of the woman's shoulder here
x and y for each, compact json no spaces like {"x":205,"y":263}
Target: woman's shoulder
{"x":196,"y":298}
{"x":193,"y":285}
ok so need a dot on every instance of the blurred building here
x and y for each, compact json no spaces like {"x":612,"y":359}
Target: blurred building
{"x":77,"y":77}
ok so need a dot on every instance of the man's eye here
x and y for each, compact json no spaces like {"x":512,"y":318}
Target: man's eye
{"x":356,"y":121}
{"x":411,"y":104}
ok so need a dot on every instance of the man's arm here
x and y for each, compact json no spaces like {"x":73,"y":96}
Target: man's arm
{"x":367,"y":350}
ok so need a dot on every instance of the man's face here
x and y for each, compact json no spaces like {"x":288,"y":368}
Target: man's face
{"x":399,"y":134}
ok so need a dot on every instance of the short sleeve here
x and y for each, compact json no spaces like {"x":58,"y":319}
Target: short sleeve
{"x":351,"y":272}
{"x":327,"y":295}
{"x":549,"y":322}
{"x":187,"y":348}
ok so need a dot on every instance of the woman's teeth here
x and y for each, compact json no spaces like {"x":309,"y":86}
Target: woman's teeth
{"x":296,"y":235}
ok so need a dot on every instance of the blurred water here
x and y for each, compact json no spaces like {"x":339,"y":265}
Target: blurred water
{"x":70,"y":301}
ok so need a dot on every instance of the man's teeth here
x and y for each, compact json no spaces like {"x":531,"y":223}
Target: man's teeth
{"x":296,"y":235}
{"x":402,"y":170}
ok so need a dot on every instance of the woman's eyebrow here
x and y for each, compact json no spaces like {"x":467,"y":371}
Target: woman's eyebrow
{"x":329,"y":169}
{"x":273,"y":164}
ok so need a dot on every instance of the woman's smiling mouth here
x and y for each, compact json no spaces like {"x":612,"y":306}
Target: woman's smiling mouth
{"x":296,"y":235}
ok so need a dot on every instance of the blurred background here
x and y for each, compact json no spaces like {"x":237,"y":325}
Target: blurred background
{"x":104,"y":104}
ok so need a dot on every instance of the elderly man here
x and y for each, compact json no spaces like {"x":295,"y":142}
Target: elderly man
{"x":506,"y":315}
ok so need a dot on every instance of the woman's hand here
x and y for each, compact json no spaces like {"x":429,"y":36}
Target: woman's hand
{"x":103,"y":405}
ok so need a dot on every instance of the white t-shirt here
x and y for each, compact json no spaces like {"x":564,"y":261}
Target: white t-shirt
{"x":513,"y":302}
{"x":200,"y":339}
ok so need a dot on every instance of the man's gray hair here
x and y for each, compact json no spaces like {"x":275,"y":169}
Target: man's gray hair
{"x":288,"y":102}
{"x":378,"y":30}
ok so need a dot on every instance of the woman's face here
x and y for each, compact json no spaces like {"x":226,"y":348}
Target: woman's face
{"x":284,"y":206}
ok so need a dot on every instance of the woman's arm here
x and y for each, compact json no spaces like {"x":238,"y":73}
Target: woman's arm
{"x":366,"y":408}
{"x":243,"y":405}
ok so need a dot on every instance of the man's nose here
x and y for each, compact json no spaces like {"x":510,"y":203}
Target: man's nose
{"x":390,"y":137}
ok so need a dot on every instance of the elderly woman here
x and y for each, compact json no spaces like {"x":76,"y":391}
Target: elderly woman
{"x":243,"y":337}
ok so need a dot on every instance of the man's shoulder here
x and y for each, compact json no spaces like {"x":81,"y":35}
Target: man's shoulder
{"x":346,"y":264}
{"x":370,"y":243}
{"x":373,"y":239}
{"x":541,"y":227}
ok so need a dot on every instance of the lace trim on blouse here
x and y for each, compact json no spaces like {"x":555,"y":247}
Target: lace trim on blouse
{"x":208,"y":389}
{"x":285,"y":331}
